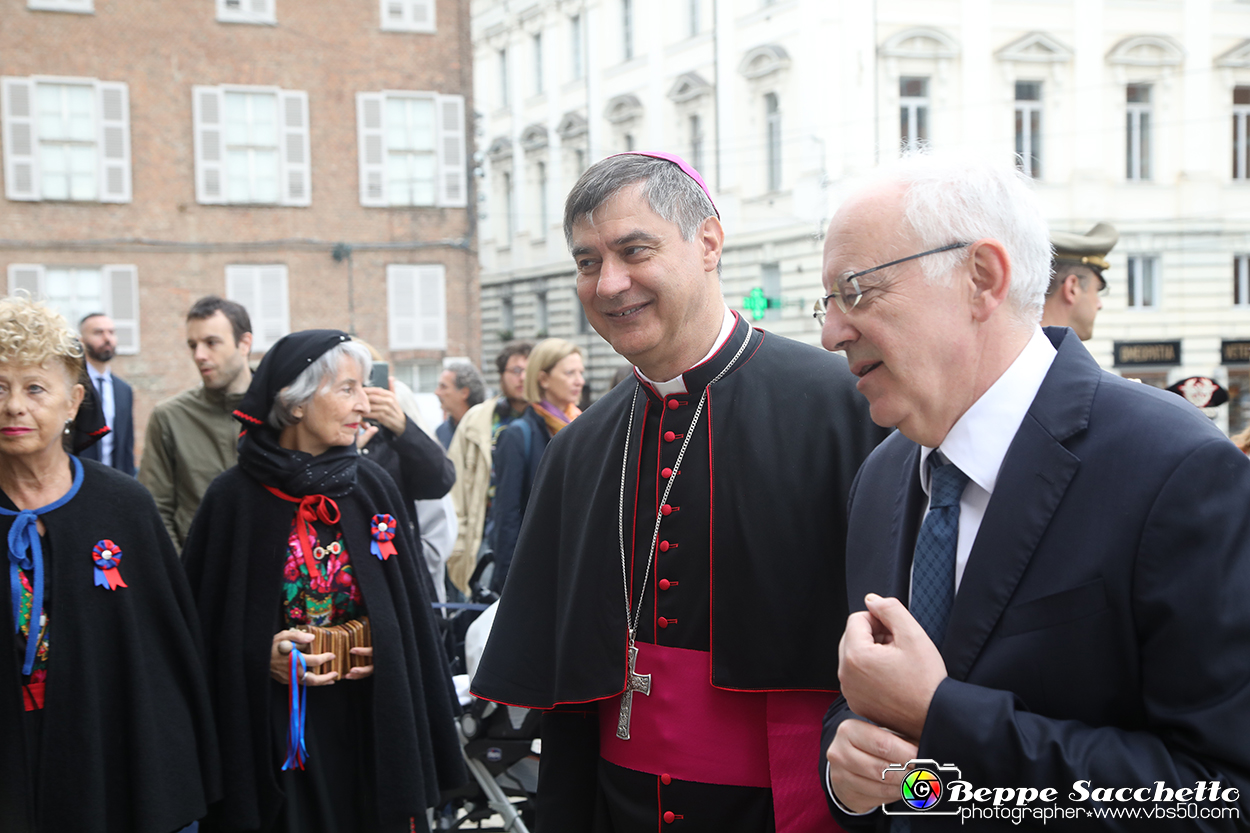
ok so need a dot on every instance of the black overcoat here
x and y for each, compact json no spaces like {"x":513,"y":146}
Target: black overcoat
{"x":128,"y":744}
{"x":234,"y":556}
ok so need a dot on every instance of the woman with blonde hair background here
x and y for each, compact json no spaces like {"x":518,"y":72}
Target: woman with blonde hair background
{"x":553,"y":385}
{"x":106,"y":723}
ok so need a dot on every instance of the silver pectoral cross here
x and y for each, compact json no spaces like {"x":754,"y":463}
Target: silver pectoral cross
{"x":640,"y":683}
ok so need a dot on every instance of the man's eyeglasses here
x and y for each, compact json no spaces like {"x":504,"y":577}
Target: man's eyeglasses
{"x":515,"y":371}
{"x":849,"y":292}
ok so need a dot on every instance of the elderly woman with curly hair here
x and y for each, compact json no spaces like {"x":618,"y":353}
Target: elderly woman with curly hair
{"x":106,"y":717}
{"x":304,"y":534}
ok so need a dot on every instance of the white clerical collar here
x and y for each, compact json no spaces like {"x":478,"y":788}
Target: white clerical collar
{"x":678,"y":384}
{"x":978,"y":441}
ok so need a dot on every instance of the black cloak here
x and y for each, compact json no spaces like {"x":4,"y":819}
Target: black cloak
{"x":128,"y":743}
{"x":234,"y":557}
{"x":784,"y":457}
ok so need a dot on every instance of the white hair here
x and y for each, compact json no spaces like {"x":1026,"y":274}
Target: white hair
{"x":319,"y":375}
{"x":954,"y":199}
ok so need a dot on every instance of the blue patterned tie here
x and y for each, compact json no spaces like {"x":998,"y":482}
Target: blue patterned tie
{"x":933,"y":566}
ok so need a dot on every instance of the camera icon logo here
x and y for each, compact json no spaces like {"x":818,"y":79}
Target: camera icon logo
{"x":922,"y":788}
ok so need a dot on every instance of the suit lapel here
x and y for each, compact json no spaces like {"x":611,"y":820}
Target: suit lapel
{"x":121,"y":407}
{"x":1018,"y":513}
{"x":905,"y":526}
{"x":882,"y":561}
{"x":1031,"y":483}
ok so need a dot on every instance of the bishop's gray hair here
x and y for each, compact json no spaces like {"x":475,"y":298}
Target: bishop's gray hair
{"x":318,"y":376}
{"x":669,"y":191}
{"x":954,"y":199}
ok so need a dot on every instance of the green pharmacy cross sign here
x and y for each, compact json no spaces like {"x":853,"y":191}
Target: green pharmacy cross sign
{"x":757,"y":304}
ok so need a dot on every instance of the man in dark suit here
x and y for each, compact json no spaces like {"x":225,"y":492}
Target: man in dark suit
{"x":1048,"y":565}
{"x":117,"y":448}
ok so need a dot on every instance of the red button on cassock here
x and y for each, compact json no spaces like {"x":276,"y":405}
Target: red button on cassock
{"x":673,"y":404}
{"x":664,"y":545}
{"x":666,"y":472}
{"x":669,"y":436}
{"x":669,"y":816}
{"x":663,"y":584}
{"x":666,"y":779}
{"x":662,"y":622}
{"x":666,"y":509}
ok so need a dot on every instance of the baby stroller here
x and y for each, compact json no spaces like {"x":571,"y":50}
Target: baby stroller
{"x":500,"y":743}
{"x":500,"y":746}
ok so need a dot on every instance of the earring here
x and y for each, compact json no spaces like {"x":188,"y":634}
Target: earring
{"x":68,"y":423}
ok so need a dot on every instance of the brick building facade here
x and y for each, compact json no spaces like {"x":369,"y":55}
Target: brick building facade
{"x":305,"y":158}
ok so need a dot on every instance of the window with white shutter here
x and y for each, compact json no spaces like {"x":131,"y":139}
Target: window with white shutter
{"x":75,"y":291}
{"x":114,"y":142}
{"x":452,"y":177}
{"x":206,"y":106}
{"x":296,"y":187}
{"x":416,"y":296}
{"x":121,"y":302}
{"x":251,"y":146}
{"x":411,"y":148}
{"x":25,"y":277}
{"x":66,"y":139}
{"x":370,"y":143}
{"x":246,"y":11}
{"x":262,"y":290}
{"x":407,"y":15}
{"x":21,"y":166}
{"x":76,"y":6}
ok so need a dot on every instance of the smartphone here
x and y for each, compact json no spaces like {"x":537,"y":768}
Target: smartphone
{"x":380,"y":376}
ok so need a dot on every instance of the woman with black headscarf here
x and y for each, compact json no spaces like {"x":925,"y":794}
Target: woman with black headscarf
{"x":304,"y":533}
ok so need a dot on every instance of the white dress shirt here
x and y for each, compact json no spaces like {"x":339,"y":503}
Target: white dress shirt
{"x":109,"y":405}
{"x":978,"y":441}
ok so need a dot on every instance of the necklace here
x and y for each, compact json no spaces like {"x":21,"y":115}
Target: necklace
{"x":635,"y":682}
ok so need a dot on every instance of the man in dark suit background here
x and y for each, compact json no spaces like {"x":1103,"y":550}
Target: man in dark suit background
{"x":117,"y":448}
{"x":1048,"y":565}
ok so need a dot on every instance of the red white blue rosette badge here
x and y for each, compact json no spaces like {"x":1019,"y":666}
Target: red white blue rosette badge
{"x":107,"y":556}
{"x":382,"y":528}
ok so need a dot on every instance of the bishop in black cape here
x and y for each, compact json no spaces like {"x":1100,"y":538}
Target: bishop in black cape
{"x":788,"y":433}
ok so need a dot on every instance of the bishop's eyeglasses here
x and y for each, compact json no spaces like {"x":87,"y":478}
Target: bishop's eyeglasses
{"x":849,"y":293}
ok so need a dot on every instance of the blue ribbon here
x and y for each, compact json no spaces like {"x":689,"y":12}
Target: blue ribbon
{"x":296,"y":754}
{"x":25,"y":553}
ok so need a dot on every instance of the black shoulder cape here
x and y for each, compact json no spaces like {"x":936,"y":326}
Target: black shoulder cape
{"x":234,"y":555}
{"x":128,"y":742}
{"x":789,"y":431}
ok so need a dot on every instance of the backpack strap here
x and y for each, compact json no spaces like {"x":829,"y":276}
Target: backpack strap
{"x":524,"y":425}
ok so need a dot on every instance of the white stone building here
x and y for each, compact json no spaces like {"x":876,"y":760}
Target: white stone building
{"x":1130,"y":111}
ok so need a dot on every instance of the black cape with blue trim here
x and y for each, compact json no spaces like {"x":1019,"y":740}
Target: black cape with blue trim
{"x":127,"y":742}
